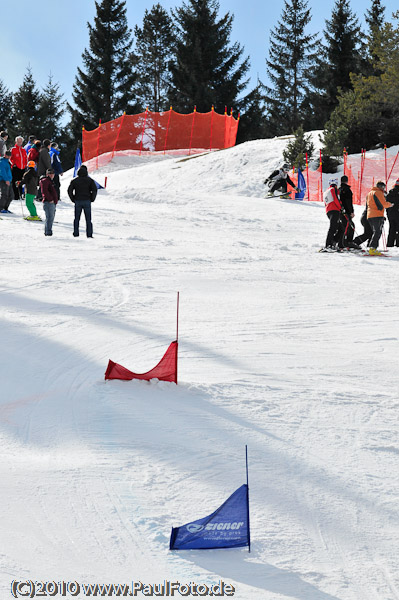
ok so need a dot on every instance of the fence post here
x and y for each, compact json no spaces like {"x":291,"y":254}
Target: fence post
{"x":394,"y":163}
{"x":192,"y":130}
{"x":307,"y":176}
{"x":83,"y":128}
{"x":167,"y":130}
{"x":117,"y":136}
{"x":98,"y":142}
{"x":321,"y":178}
{"x":210,"y":141}
{"x":142,"y":133}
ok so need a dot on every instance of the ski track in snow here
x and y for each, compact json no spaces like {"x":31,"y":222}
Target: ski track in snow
{"x":292,"y":352}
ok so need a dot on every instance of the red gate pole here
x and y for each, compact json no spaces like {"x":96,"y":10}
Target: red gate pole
{"x":307,"y":176}
{"x":210,"y":141}
{"x":98,"y":142}
{"x":321,"y":178}
{"x":386,"y":168}
{"x":167,"y":130}
{"x":177,"y":331}
{"x":83,"y":128}
{"x":117,"y":137}
{"x":142,"y":133}
{"x":192,"y":130}
{"x":394,"y":163}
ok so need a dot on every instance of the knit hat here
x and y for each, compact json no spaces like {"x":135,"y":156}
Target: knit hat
{"x":50,"y":171}
{"x":82,"y":171}
{"x":344,"y":179}
{"x":380,"y":184}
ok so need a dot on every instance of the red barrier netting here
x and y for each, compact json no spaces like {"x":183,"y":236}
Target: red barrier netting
{"x":165,"y":370}
{"x":151,"y":132}
{"x":363,"y":173}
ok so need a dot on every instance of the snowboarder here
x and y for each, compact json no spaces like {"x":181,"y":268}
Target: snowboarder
{"x":6,"y":190}
{"x":376,"y":203}
{"x":334,"y":213}
{"x":278,"y":181}
{"x":30,"y":180}
{"x":393,"y":215}
{"x":82,"y":191}
{"x":346,"y":198}
{"x":50,"y":199}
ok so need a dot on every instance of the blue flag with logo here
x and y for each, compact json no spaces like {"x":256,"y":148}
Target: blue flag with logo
{"x":78,"y":164}
{"x":301,"y":186}
{"x":227,"y":527}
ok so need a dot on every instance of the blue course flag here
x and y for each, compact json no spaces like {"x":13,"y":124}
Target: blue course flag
{"x":301,"y":186}
{"x":78,"y":163}
{"x":227,"y":527}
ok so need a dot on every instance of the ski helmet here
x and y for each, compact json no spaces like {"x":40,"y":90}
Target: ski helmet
{"x":31,"y":163}
{"x":333,"y":181}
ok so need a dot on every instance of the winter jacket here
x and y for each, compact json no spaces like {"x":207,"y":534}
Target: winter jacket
{"x":279,"y":174}
{"x":33,"y":154}
{"x":19,"y":158}
{"x":82,"y":187}
{"x":346,"y":198}
{"x":55,"y":161}
{"x":331,"y":199}
{"x":393,"y":198}
{"x":44,"y":162}
{"x":49,"y":192}
{"x":3,"y":147}
{"x":30,"y":180}
{"x":376,"y":203}
{"x":5,"y":169}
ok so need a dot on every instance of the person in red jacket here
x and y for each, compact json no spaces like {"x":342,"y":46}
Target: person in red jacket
{"x":33,"y":153}
{"x":19,"y":160}
{"x":334,"y":209}
{"x":50,"y":199}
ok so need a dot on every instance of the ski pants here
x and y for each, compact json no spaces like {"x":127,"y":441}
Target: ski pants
{"x":85,"y":206}
{"x":17,"y":175}
{"x":336,"y":230}
{"x":279,"y":184}
{"x":367,"y":233}
{"x":30,"y":205}
{"x":393,"y":235}
{"x":6,"y":195}
{"x":348,"y":231}
{"x":377,"y":225}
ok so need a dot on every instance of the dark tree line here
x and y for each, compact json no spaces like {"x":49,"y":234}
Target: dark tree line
{"x":187,"y":58}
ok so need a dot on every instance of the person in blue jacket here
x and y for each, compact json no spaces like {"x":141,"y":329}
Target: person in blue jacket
{"x":57,"y":166}
{"x":6,"y":191}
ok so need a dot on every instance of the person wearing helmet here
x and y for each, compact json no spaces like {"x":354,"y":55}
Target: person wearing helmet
{"x":333,"y":209}
{"x":376,"y":204}
{"x":278,"y":181}
{"x":30,"y":180}
{"x":393,"y":215}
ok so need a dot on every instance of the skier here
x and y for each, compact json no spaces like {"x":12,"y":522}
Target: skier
{"x":50,"y":199}
{"x":393,"y":215}
{"x":82,"y":191}
{"x":376,"y":203}
{"x":346,"y":198}
{"x":57,"y":166}
{"x":278,"y":181}
{"x":6,"y":190}
{"x":334,"y":213}
{"x":18,"y":161}
{"x":367,"y":231}
{"x":30,"y":180}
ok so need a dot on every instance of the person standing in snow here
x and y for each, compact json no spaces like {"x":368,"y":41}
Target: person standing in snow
{"x":82,"y":191}
{"x":334,"y":213}
{"x":376,"y":204}
{"x":393,"y":215}
{"x":19,"y":160}
{"x":50,"y":199}
{"x":278,"y":181}
{"x":3,"y":145}
{"x":346,"y":198}
{"x":44,"y":161}
{"x":6,"y":190}
{"x":56,"y":165}
{"x":30,"y":180}
{"x":30,"y":143}
{"x":367,"y":231}
{"x":33,"y":153}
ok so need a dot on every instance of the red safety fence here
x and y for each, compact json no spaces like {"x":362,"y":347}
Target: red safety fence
{"x":363,"y":173}
{"x":166,"y":132}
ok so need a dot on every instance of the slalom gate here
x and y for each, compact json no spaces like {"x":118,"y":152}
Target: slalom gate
{"x":158,"y":133}
{"x":363,"y":173}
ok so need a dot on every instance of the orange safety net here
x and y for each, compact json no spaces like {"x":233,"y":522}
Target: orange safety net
{"x":165,"y":370}
{"x":151,"y":132}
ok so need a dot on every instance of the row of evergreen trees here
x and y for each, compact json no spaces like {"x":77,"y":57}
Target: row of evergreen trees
{"x":187,"y":59}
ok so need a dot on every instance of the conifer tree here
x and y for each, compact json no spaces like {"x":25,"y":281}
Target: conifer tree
{"x":152,"y":56}
{"x":206,"y":69}
{"x":254,"y":123}
{"x":104,"y":89}
{"x":375,"y":20}
{"x":52,"y":110}
{"x":291,"y":55}
{"x":341,"y":55}
{"x":297,"y":149}
{"x":5,"y":107}
{"x":26,"y":108}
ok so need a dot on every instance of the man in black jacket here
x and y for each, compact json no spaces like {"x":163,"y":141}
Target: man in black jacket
{"x":346,"y":197}
{"x":393,"y":215}
{"x":82,"y":191}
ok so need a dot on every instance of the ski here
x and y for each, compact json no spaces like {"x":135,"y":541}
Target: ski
{"x":38,"y":219}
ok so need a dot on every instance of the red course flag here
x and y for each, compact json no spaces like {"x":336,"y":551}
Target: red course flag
{"x":165,"y":370}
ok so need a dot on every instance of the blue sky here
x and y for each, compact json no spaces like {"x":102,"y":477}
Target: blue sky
{"x":50,"y":35}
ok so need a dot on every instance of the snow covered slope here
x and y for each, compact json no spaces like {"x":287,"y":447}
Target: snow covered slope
{"x":292,"y":352}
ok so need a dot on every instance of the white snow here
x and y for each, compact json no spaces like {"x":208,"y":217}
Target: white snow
{"x":292,"y":352}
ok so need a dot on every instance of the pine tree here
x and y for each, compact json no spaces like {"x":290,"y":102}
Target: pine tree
{"x":375,"y":20}
{"x":105,"y":88}
{"x":152,"y":56}
{"x":26,"y":108}
{"x":297,"y":149}
{"x":291,"y":55}
{"x":206,"y":69}
{"x":339,"y":57}
{"x":253,"y":124}
{"x":5,"y":107}
{"x":52,"y":110}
